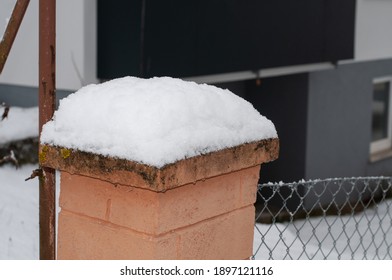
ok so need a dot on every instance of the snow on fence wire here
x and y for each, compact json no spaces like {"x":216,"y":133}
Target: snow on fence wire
{"x":341,"y":218}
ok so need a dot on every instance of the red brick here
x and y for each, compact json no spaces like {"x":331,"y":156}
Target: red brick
{"x":229,"y":236}
{"x":85,"y":238}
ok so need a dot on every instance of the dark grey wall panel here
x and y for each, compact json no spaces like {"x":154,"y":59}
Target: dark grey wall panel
{"x":201,"y":37}
{"x":284,"y":101}
{"x":119,"y":29}
{"x":339,"y":29}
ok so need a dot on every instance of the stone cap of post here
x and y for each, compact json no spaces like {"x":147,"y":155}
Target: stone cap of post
{"x":134,"y":174}
{"x":156,"y":134}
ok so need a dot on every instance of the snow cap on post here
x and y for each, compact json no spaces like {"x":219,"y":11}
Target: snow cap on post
{"x":155,"y":121}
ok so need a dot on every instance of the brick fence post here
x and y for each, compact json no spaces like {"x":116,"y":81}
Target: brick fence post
{"x":197,"y":208}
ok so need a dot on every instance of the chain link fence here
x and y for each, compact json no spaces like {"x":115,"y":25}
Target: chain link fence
{"x":341,"y":218}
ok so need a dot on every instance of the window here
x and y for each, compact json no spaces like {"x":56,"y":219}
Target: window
{"x":381,"y":115}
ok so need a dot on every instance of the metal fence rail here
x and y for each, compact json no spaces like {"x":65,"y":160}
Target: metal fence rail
{"x":341,"y":218}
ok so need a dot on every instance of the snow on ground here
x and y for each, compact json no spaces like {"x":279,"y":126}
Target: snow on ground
{"x":155,"y":121}
{"x":18,"y":214}
{"x":21,"y":123}
{"x":19,"y":227}
{"x":365,"y":235}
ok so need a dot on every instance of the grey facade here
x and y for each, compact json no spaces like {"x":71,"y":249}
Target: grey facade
{"x":339,"y":121}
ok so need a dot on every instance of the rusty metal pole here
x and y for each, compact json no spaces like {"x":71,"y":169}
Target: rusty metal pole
{"x":11,"y":30}
{"x":47,"y":103}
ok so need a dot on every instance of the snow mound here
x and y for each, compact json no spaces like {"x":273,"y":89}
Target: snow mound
{"x":154,"y":121}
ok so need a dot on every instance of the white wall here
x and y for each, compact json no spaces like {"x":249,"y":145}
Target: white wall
{"x":6,"y":7}
{"x":373,"y":36}
{"x":75,"y":42}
